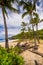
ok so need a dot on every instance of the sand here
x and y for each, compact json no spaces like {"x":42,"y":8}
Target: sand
{"x":28,"y":56}
{"x":11,"y":43}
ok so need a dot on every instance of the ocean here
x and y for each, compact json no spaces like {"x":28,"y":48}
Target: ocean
{"x":11,"y":32}
{"x":2,"y":40}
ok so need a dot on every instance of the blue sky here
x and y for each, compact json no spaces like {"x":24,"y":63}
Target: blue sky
{"x":14,"y":20}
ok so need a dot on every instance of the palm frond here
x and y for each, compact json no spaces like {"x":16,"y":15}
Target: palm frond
{"x":34,"y":4}
{"x":24,"y":24}
{"x":35,"y":14}
{"x":26,"y":13}
{"x":41,"y":20}
{"x":8,"y":4}
{"x":23,"y":3}
{"x":13,"y":9}
{"x":34,"y":7}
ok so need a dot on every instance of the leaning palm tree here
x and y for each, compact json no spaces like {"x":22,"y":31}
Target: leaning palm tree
{"x":30,"y":8}
{"x":36,"y":21}
{"x":4,"y":4}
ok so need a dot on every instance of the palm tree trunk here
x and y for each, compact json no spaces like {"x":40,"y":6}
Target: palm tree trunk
{"x":6,"y":33}
{"x":34,"y":34}
{"x":37,"y":33}
{"x":33,"y":31}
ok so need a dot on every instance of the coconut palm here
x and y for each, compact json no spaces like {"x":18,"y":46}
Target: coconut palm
{"x":30,"y":8}
{"x":4,"y":4}
{"x":36,"y":21}
{"x":23,"y":29}
{"x":34,"y":34}
{"x":29,"y":32}
{"x":23,"y":25}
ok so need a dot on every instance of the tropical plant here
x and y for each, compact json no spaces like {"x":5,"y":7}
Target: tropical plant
{"x":30,"y":8}
{"x":4,"y":4}
{"x":10,"y":58}
{"x":23,"y":25}
{"x":34,"y":33}
{"x":29,"y":33}
{"x":23,"y":28}
{"x":36,"y":21}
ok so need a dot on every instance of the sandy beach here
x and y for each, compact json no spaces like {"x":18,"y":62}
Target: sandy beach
{"x":14,"y":43}
{"x":11,"y":43}
{"x":28,"y":56}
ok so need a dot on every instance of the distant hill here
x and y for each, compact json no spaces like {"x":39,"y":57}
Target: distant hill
{"x":26,"y":35}
{"x":40,"y":34}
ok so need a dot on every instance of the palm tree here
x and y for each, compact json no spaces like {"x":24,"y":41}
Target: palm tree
{"x":4,"y":4}
{"x":30,"y":8}
{"x":36,"y":21}
{"x":34,"y":34}
{"x":23,"y":29}
{"x":23,"y":24}
{"x":29,"y":33}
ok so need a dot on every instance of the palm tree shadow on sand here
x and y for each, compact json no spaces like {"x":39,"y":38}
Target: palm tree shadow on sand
{"x":37,"y":63}
{"x":27,"y":46}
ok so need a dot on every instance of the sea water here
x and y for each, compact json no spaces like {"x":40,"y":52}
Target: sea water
{"x":2,"y":40}
{"x":11,"y":32}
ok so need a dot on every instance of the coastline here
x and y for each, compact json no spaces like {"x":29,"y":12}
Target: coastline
{"x":11,"y":43}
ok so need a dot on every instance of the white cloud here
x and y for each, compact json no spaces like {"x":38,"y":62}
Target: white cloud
{"x":40,"y":25}
{"x":15,"y":19}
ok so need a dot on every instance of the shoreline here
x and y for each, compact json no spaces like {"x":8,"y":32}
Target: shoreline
{"x":10,"y":42}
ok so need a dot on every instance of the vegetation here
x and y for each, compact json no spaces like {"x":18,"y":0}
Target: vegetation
{"x":30,"y":8}
{"x":23,"y":25}
{"x":23,"y":29}
{"x":19,"y":36}
{"x":11,"y":58}
{"x":37,"y":20}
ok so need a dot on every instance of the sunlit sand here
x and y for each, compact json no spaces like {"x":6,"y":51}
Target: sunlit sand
{"x":28,"y":56}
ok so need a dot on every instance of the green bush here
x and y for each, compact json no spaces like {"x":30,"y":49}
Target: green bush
{"x":15,"y":49}
{"x":10,"y":58}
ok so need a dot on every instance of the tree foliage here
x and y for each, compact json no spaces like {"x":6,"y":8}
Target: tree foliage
{"x":7,"y":4}
{"x":10,"y":58}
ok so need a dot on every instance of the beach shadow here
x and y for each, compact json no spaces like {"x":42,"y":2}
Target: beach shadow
{"x":30,"y":48}
{"x":23,"y":46}
{"x":36,"y":63}
{"x":27,"y":46}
